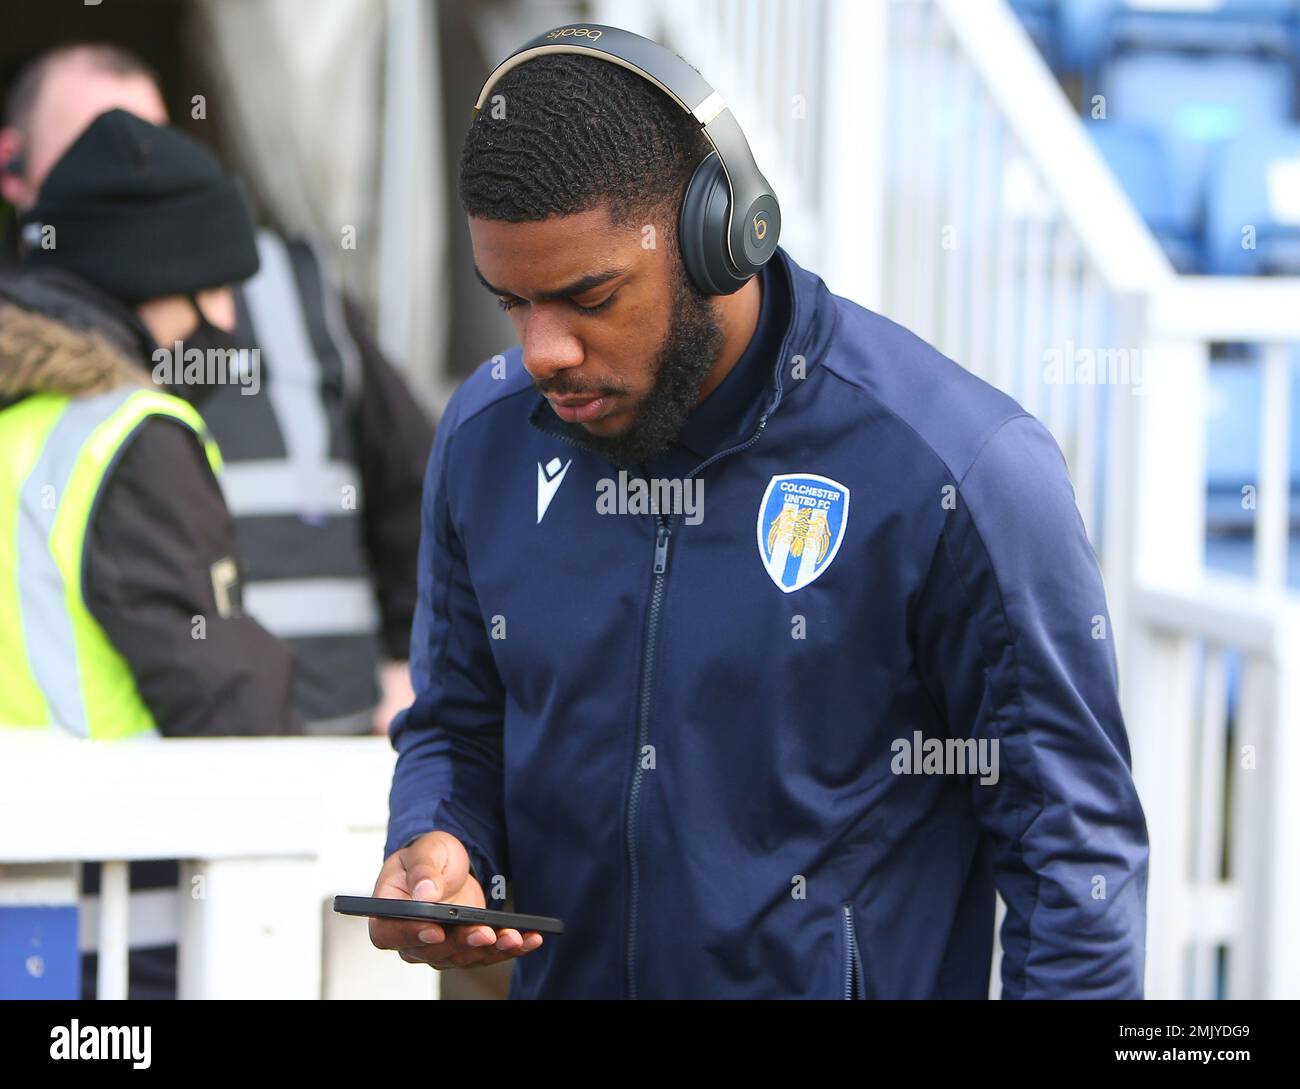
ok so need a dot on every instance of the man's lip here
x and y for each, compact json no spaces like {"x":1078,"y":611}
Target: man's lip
{"x":582,"y":409}
{"x":573,"y":402}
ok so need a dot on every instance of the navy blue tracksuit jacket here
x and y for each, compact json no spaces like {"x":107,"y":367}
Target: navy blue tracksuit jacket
{"x":708,"y":742}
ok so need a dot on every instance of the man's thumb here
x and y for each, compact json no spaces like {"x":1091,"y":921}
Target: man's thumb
{"x":432,"y":873}
{"x":425,"y":878}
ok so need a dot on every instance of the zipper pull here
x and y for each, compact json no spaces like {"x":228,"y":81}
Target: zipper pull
{"x":661,"y":550}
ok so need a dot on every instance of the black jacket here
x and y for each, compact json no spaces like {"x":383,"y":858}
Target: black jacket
{"x":159,"y":526}
{"x":393,"y":439}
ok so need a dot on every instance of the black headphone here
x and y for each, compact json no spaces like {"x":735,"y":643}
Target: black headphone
{"x":730,"y":219}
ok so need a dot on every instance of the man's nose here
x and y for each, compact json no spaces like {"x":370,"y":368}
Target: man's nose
{"x":549,"y":346}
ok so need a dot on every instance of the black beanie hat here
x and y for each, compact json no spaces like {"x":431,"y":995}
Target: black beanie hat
{"x":142,"y":211}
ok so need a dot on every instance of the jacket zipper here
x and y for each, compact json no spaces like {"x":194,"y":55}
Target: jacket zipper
{"x":659,"y":574}
{"x":658,"y":577}
{"x":852,"y":966}
{"x":662,"y":537}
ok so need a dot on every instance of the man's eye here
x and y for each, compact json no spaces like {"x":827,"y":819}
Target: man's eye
{"x":509,"y":302}
{"x":598,"y":307}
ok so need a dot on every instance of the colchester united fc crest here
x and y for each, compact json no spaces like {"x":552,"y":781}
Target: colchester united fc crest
{"x":801,"y":523}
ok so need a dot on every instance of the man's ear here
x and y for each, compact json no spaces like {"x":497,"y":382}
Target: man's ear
{"x":13,"y":169}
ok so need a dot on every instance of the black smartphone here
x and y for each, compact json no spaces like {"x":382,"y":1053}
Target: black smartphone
{"x":382,"y":907}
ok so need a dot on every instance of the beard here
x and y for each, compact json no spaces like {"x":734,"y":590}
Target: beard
{"x":688,"y":352}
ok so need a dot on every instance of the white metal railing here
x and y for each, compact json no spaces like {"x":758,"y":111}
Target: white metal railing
{"x":1010,"y":245}
{"x":944,"y":179}
{"x":1215,"y":679}
{"x":1197,"y":311}
{"x":1071,"y":275}
{"x":1217,"y":768}
{"x":268,"y":830}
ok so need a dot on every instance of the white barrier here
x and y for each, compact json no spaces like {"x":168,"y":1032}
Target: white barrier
{"x":268,"y":831}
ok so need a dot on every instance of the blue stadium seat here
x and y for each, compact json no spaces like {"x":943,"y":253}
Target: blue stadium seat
{"x":1232,"y":434}
{"x":1232,"y":441}
{"x":1084,"y":25}
{"x":1255,"y":182}
{"x":1138,"y":156}
{"x":1093,"y":30}
{"x":1229,"y":25}
{"x":1198,"y":102}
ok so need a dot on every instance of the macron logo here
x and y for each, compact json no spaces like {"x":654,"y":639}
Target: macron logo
{"x":549,"y":478}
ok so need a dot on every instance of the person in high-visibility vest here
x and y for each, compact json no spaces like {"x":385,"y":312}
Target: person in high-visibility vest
{"x":60,"y":438}
{"x":74,"y":413}
{"x":120,"y":586}
{"x":119,"y":511}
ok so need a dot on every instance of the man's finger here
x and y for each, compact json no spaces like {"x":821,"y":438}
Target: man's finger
{"x":475,"y":957}
{"x":448,"y":955}
{"x":445,"y":956}
{"x":426,"y":874}
{"x":472,"y":937}
{"x":396,"y":933}
{"x":508,"y":939}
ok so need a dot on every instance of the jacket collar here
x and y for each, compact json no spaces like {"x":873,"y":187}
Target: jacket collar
{"x":725,"y":410}
{"x":69,"y":299}
{"x":720,"y":424}
{"x":53,"y":365}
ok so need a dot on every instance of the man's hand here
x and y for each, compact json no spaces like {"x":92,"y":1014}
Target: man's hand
{"x":435,"y":868}
{"x":395,"y":694}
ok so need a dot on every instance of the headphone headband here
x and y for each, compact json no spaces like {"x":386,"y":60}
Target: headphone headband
{"x":752,"y":216}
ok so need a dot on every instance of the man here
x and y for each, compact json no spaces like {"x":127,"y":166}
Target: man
{"x":705,"y":736}
{"x":323,"y":460}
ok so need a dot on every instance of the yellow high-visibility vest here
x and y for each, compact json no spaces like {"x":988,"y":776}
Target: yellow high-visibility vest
{"x":60,"y":668}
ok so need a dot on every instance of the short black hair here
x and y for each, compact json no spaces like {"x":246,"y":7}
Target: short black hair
{"x":100,"y":56}
{"x":578,"y":132}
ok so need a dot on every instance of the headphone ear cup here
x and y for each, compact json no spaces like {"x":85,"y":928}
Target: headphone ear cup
{"x":702,"y":230}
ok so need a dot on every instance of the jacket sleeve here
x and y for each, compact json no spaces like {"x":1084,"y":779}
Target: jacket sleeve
{"x":160,"y":525}
{"x":1013,"y":642}
{"x":393,"y":438}
{"x":449,"y":773}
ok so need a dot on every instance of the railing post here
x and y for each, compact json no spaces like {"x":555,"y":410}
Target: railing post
{"x":1280,"y":879}
{"x":1119,"y":543}
{"x":1273,"y":499}
{"x":111,"y":980}
{"x":1170,"y":463}
{"x":1162,"y":770}
{"x":852,"y":172}
{"x":247,"y":930}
